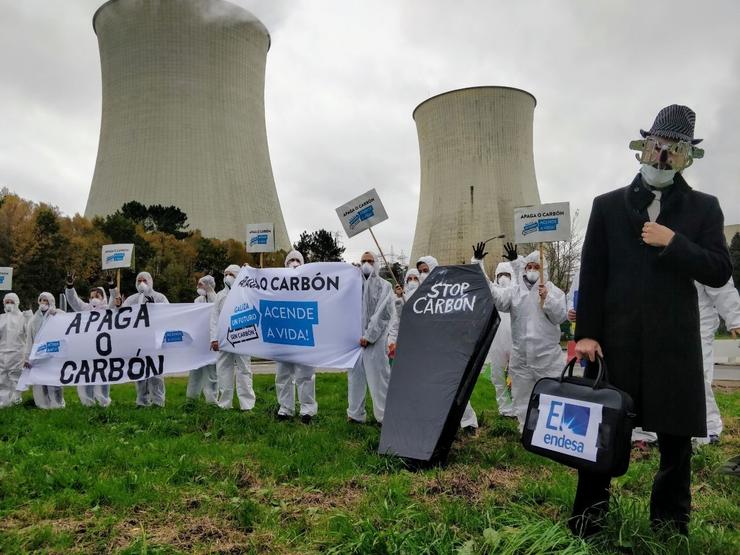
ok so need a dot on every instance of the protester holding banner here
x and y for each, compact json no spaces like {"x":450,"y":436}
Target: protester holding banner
{"x":645,"y":245}
{"x":45,"y":396}
{"x":205,"y":378}
{"x":231,"y":367}
{"x":13,"y":331}
{"x":290,"y":375}
{"x":150,"y":391}
{"x":91,"y":394}
{"x":372,"y":369}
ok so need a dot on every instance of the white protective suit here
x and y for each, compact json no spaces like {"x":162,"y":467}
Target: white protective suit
{"x":399,"y":302}
{"x":289,"y":376}
{"x":372,"y":369}
{"x":150,"y":391}
{"x":715,"y":302}
{"x":13,"y":331}
{"x":45,"y":396}
{"x":535,"y":334}
{"x":91,"y":394}
{"x":500,"y":351}
{"x":204,"y":379}
{"x":229,"y":364}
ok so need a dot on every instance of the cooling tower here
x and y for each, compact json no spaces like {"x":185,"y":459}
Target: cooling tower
{"x":183,"y":119}
{"x":475,"y":147}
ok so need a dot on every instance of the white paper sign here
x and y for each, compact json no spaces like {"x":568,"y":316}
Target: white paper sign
{"x":6,"y":279}
{"x":568,"y":426}
{"x":308,"y":315}
{"x":117,"y":256}
{"x":120,"y":345}
{"x":362,"y":213}
{"x":260,"y":238}
{"x":543,"y":223}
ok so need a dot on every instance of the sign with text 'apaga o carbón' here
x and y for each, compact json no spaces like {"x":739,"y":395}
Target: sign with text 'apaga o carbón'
{"x":543,"y":223}
{"x":6,"y":279}
{"x":117,"y":256}
{"x":307,"y":315}
{"x":362,"y":213}
{"x":120,"y":345}
{"x":446,"y":329}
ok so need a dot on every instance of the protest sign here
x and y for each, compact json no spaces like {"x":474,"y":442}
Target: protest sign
{"x":361,"y":213}
{"x":308,"y":315}
{"x":117,"y":256}
{"x":6,"y":279}
{"x":542,"y":223}
{"x":260,"y":238}
{"x":117,"y":346}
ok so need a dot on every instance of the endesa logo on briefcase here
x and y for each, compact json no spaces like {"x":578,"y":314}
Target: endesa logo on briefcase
{"x":568,"y":426}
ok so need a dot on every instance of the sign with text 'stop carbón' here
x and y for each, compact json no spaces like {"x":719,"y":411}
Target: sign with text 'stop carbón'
{"x":362,"y":213}
{"x":117,"y":256}
{"x":543,"y":223}
{"x":260,"y":238}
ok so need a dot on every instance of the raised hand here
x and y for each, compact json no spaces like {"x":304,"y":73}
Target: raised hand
{"x":478,"y":251}
{"x":111,"y":279}
{"x":510,"y":252}
{"x":70,"y":279}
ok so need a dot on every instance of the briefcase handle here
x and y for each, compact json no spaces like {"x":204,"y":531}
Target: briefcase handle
{"x":601,"y":374}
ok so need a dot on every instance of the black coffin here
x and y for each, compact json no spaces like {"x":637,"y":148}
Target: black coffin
{"x":447,"y":327}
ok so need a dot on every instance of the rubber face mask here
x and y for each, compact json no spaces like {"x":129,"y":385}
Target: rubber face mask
{"x":532,"y":276}
{"x":367,"y":269}
{"x":655,"y":177}
{"x":504,"y":281}
{"x":9,"y":307}
{"x":201,"y":292}
{"x":142,"y":287}
{"x":229,"y":281}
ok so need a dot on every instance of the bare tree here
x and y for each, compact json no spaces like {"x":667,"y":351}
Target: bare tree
{"x":564,"y":257}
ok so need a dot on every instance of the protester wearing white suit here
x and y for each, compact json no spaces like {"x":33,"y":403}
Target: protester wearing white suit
{"x":13,"y":330}
{"x":500,"y":352}
{"x":205,"y":378}
{"x":45,"y":396}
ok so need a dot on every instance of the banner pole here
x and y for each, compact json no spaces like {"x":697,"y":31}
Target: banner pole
{"x":118,"y":281}
{"x":542,"y":272}
{"x":390,"y":269}
{"x":262,"y":260}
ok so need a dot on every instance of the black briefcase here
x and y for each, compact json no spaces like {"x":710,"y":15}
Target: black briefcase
{"x":583,"y":423}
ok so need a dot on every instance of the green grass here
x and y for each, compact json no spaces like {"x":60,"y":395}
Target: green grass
{"x":192,"y":478}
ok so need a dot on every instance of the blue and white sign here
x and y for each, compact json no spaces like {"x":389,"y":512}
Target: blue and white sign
{"x":308,"y":315}
{"x":362,"y":213}
{"x":6,"y":279}
{"x":260,"y":238}
{"x":544,"y":223}
{"x":117,"y":256}
{"x":568,"y":426}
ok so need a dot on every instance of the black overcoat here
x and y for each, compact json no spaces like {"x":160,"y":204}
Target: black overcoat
{"x":639,"y":302}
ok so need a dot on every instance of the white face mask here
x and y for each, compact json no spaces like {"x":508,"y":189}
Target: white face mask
{"x":202,"y":292}
{"x":142,"y":287}
{"x":504,"y":281}
{"x":96,"y":302}
{"x":293,"y":264}
{"x":366,"y":268}
{"x":10,"y":307}
{"x":411,"y":286}
{"x":532,"y":276}
{"x":229,"y":281}
{"x":43,"y":307}
{"x":655,"y":177}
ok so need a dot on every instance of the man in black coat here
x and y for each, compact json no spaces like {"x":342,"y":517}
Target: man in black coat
{"x":645,"y":245}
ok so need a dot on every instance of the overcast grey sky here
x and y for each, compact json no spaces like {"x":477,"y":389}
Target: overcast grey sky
{"x":343,"y":77}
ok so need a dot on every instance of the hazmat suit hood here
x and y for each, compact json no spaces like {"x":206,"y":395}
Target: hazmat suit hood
{"x":429,"y":261}
{"x":102,"y":292}
{"x":534,"y":256}
{"x":147,"y":277}
{"x":376,"y":266}
{"x":411,"y":272}
{"x":294,"y":255}
{"x":233,"y":268}
{"x":504,"y":268}
{"x":209,"y":282}
{"x":12,"y":297}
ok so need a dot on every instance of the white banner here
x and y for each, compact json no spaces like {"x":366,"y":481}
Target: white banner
{"x":124,"y":345}
{"x":260,"y":238}
{"x":309,"y":315}
{"x":6,"y":279}
{"x":568,"y":426}
{"x":542,"y":223}
{"x":362,"y":213}
{"x":117,"y":256}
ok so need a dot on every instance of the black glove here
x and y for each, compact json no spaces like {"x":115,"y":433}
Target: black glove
{"x":149,"y":298}
{"x":70,"y":280}
{"x":478,"y":249}
{"x":111,"y":280}
{"x":510,"y":253}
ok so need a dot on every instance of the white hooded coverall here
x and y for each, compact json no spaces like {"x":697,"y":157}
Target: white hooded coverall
{"x":372,"y":369}
{"x":500,"y":352}
{"x":229,"y":364}
{"x":45,"y":396}
{"x":289,"y":376}
{"x":150,"y":391}
{"x":205,"y":378}
{"x":100,"y":393}
{"x":13,"y":330}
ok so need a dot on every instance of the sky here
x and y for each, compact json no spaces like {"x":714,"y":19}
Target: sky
{"x":344,"y":76}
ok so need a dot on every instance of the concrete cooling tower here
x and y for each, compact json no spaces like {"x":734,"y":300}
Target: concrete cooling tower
{"x":183,"y":120}
{"x":477,"y":164}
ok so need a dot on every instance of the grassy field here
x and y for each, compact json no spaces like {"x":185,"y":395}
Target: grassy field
{"x":192,"y":478}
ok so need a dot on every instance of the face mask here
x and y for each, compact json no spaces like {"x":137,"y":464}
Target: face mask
{"x":142,"y":287}
{"x":43,"y":307}
{"x":422,"y":277}
{"x":95,"y":302}
{"x":9,"y":307}
{"x":229,"y":281}
{"x":504,"y":281}
{"x":411,"y":286}
{"x":655,"y":177}
{"x":532,"y":276}
{"x":367,"y":268}
{"x":293,"y":264}
{"x":201,"y":292}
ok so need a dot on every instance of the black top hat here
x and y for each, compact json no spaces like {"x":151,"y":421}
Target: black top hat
{"x":674,"y":122}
